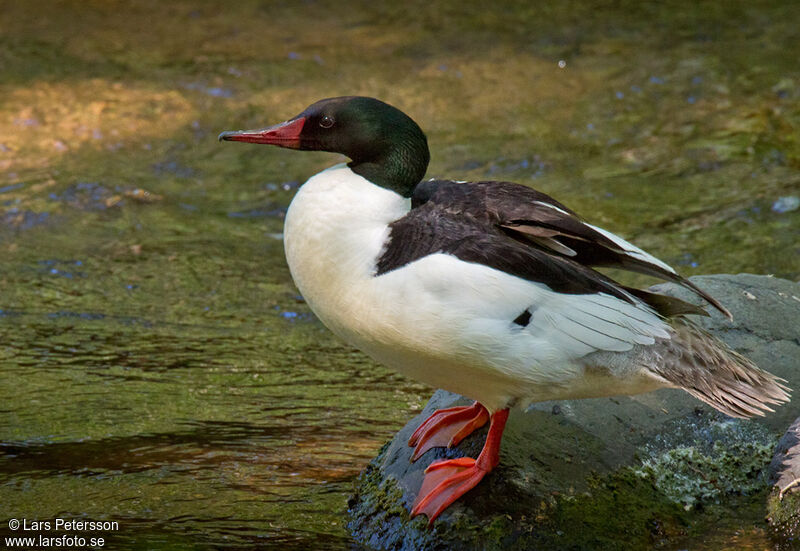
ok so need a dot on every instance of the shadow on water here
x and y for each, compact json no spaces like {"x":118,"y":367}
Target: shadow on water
{"x":157,"y":365}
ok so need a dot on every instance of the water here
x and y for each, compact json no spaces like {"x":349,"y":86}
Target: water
{"x":158,"y":367}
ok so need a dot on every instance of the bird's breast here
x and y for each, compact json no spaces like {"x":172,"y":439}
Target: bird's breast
{"x":335,"y":229}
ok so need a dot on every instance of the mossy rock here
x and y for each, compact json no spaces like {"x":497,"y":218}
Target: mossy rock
{"x":783,"y":502}
{"x":607,"y":473}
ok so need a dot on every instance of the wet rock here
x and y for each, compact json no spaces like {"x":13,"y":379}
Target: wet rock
{"x":786,"y":204}
{"x":606,"y":473}
{"x":783,"y":503}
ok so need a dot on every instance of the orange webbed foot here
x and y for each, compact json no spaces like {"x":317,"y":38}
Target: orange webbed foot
{"x":446,"y":481}
{"x":447,"y":427}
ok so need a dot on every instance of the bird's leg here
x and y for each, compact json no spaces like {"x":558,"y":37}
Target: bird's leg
{"x":446,"y":481}
{"x":447,"y":427}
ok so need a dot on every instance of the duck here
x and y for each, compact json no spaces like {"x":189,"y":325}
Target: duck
{"x":488,"y":289}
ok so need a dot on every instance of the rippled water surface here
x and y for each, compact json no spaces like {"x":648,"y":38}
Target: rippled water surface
{"x":158,"y":368}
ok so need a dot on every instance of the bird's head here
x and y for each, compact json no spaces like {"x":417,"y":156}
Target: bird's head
{"x":386,"y":146}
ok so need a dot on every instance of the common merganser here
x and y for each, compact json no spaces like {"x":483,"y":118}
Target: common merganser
{"x":486,"y":289}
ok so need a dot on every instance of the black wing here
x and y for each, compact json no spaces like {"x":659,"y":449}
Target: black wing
{"x":526,"y":233}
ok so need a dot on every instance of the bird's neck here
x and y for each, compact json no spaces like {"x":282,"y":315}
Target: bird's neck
{"x":400,"y":168}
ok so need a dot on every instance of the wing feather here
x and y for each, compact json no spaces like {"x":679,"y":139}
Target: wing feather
{"x":582,"y":324}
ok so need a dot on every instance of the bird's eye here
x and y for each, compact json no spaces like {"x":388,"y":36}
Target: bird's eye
{"x":326,"y":121}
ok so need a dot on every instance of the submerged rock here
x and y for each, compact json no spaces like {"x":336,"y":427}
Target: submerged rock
{"x":608,"y":473}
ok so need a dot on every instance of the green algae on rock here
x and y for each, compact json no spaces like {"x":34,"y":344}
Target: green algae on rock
{"x":709,"y":461}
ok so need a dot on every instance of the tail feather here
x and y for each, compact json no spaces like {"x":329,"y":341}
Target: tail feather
{"x":709,"y":370}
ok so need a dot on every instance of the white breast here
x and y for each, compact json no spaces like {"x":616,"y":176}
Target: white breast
{"x":335,"y":229}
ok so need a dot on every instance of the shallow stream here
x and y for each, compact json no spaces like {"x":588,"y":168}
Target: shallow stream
{"x":157,"y":366}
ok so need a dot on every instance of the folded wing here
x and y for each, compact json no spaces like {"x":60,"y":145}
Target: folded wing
{"x":559,"y":243}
